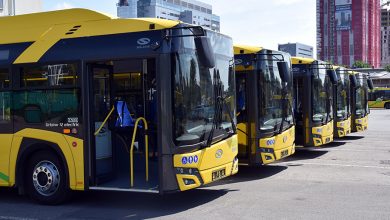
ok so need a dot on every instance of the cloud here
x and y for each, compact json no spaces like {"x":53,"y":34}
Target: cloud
{"x":63,"y":5}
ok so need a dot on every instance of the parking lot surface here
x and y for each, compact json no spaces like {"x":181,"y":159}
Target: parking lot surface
{"x":348,"y":179}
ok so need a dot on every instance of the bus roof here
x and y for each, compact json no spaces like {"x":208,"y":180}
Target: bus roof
{"x":47,"y":28}
{"x":302,"y":60}
{"x":245,"y":49}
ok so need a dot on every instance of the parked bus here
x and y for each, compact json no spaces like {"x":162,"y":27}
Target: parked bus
{"x":266,"y":130}
{"x":313,"y":105}
{"x":341,"y":103}
{"x":90,"y":102}
{"x":379,"y":98}
{"x":359,"y":100}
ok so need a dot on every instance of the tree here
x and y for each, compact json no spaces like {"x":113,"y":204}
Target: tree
{"x":361,"y":64}
{"x":387,"y":68}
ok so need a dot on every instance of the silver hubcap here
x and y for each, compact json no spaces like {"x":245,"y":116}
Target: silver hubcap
{"x":46,"y":178}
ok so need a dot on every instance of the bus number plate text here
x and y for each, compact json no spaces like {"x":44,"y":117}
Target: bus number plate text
{"x":219,"y":174}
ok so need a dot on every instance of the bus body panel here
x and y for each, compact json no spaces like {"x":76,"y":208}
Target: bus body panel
{"x":343,"y":128}
{"x":73,"y":155}
{"x":206,"y":161}
{"x":361,"y":124}
{"x":278,"y":147}
{"x":323,"y":134}
{"x":6,"y":142}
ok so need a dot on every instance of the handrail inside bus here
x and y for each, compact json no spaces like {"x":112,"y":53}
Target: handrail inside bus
{"x":146,"y":150}
{"x":105,"y":121}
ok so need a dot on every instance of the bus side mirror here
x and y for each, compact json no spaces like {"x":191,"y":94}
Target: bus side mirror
{"x":354,"y":82}
{"x":205,"y":51}
{"x":284,"y":71}
{"x":370,"y":84}
{"x":333,"y":76}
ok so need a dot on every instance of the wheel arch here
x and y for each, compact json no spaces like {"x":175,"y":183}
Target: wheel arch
{"x":30,"y":146}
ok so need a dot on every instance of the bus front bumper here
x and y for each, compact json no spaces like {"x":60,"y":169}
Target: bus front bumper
{"x":207,"y":165}
{"x":361,"y":124}
{"x":343,"y":128}
{"x":323,"y":135}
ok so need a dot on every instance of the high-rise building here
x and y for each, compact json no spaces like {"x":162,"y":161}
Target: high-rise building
{"x":297,"y":49}
{"x":189,"y":11}
{"x":385,"y":37}
{"x":17,"y":7}
{"x":348,"y":31}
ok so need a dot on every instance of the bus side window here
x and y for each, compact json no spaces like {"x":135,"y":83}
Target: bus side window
{"x":5,"y":97}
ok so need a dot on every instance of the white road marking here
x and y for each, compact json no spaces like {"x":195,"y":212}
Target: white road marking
{"x":335,"y":165}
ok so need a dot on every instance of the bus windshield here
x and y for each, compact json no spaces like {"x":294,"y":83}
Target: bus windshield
{"x":194,"y":106}
{"x":361,"y":97}
{"x":321,"y":94}
{"x":273,"y":93}
{"x":343,"y":109}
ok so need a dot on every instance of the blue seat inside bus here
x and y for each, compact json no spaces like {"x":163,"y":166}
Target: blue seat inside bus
{"x":124,"y":120}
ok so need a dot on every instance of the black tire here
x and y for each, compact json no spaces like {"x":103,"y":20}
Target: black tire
{"x":387,"y":105}
{"x":45,"y":179}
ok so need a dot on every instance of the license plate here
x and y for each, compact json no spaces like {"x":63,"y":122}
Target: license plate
{"x":284,"y":153}
{"x":219,"y":174}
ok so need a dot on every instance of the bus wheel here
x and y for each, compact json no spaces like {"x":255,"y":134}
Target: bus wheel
{"x":387,"y":106}
{"x":45,"y":179}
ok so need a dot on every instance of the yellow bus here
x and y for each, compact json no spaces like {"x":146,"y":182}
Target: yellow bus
{"x":341,"y":103}
{"x":90,"y":102}
{"x":379,"y":98}
{"x":313,"y":94}
{"x":359,"y":100}
{"x":265,"y":122}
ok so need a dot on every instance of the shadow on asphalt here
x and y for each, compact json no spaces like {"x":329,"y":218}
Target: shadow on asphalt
{"x":251,"y":173}
{"x":337,"y":143}
{"x":305,"y":154}
{"x":111,"y":205}
{"x":352,"y":138}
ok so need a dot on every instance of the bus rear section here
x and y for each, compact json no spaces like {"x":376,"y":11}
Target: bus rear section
{"x":342,"y":103}
{"x":359,"y":101}
{"x":313,"y":102}
{"x":138,"y":105}
{"x":266,"y":131}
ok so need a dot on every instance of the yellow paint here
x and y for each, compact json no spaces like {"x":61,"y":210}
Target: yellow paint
{"x":47,"y":28}
{"x":145,"y":123}
{"x":301,"y":60}
{"x":245,"y":49}
{"x":324,"y":132}
{"x":242,"y":137}
{"x":74,"y":156}
{"x":343,"y":128}
{"x":279,"y":143}
{"x":5,"y":140}
{"x":361,"y":124}
{"x":208,"y":162}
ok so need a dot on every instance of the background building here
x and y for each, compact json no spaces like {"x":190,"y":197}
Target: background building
{"x":17,"y":7}
{"x":385,"y":37}
{"x":348,"y":31}
{"x":189,"y":11}
{"x":297,"y":49}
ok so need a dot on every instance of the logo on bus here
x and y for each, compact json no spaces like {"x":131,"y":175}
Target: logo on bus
{"x":270,"y":142}
{"x":143,"y":41}
{"x":218,"y":154}
{"x":237,"y":61}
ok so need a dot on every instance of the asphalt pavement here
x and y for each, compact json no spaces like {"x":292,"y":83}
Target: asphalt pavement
{"x":348,"y":179}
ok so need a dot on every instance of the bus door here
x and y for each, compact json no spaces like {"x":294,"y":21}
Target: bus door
{"x":123,"y":92}
{"x":102,"y":104}
{"x":242,"y":117}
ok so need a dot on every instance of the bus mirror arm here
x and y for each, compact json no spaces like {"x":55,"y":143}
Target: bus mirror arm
{"x":205,"y":51}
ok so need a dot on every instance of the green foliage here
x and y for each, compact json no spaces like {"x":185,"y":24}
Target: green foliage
{"x":361,"y":64}
{"x":387,"y":68}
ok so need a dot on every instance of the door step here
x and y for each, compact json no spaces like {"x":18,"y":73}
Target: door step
{"x":124,"y":190}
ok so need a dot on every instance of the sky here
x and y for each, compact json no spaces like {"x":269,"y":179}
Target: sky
{"x":264,"y":23}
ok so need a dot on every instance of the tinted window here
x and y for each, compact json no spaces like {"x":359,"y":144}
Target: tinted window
{"x":4,"y":79}
{"x":49,"y":75}
{"x":5,"y":110}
